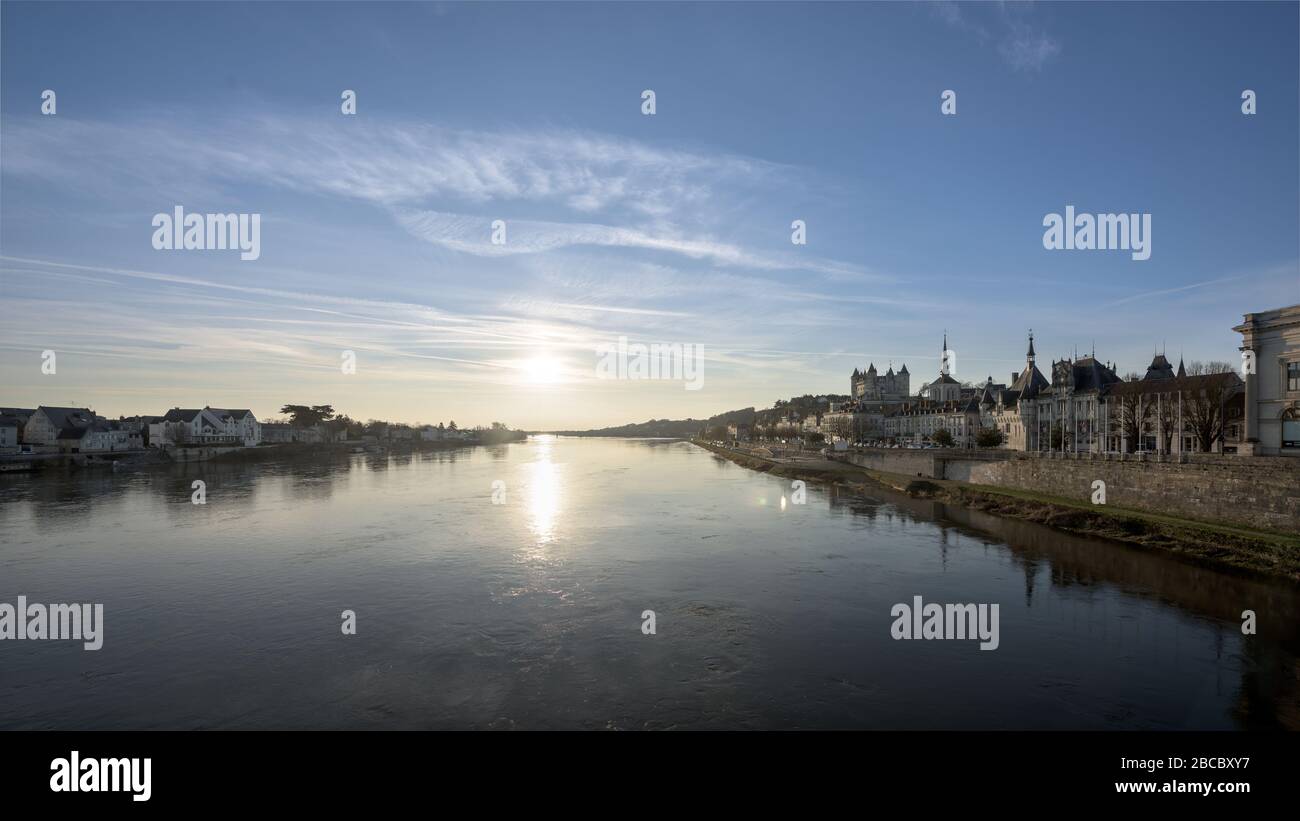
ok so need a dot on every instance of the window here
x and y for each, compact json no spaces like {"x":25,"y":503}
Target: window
{"x":1292,"y":376}
{"x":1291,"y":429}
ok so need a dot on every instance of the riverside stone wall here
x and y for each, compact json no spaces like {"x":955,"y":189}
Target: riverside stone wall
{"x":1256,"y":492}
{"x":1252,"y":491}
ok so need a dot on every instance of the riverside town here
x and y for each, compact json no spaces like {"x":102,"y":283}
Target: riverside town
{"x":375,"y":372}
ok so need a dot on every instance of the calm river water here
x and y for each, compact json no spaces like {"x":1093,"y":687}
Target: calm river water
{"x":528,"y":614}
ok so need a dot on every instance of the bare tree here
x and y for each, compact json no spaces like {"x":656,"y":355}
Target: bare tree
{"x":1205,"y":406}
{"x":1204,"y":368}
{"x":1164,"y":413}
{"x":1134,"y":411}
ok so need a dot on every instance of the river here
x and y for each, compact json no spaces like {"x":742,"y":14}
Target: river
{"x":528,"y":612}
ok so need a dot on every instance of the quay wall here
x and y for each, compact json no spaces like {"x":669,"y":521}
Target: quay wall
{"x":1227,"y":489}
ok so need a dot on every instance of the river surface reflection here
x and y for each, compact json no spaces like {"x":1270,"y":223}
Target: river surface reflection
{"x":528,"y":613}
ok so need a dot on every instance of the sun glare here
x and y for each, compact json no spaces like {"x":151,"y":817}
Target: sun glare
{"x":543,"y":370}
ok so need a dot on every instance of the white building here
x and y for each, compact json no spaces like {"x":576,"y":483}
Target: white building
{"x":240,"y":423}
{"x":190,"y":426}
{"x":96,"y":437}
{"x":1270,"y":342}
{"x":918,"y":422}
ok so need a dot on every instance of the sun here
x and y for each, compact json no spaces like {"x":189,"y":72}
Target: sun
{"x":543,"y":370}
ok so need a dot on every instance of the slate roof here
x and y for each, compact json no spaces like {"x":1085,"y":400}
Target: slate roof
{"x":63,"y":417}
{"x":236,"y":413}
{"x":1091,"y":375}
{"x":181,"y":415}
{"x":77,"y":432}
{"x":1160,"y":368}
{"x":1228,"y":381}
{"x":927,"y":406}
{"x":1029,"y":383}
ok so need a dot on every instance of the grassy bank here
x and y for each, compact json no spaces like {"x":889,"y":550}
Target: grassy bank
{"x":1229,"y":547}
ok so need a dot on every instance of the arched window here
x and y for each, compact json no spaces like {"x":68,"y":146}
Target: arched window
{"x":1291,"y":428}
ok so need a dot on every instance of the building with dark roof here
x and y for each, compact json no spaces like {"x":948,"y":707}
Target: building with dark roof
{"x":95,"y":437}
{"x":1070,"y":413}
{"x":46,"y":423}
{"x":1147,"y":415}
{"x":919,"y":420}
{"x":240,"y":422}
{"x":191,"y":426}
{"x":1013,"y":410}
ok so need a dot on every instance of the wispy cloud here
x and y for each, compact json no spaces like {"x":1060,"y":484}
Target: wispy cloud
{"x":1269,"y":276}
{"x":644,"y":194}
{"x":1024,"y":45}
{"x":388,"y":162}
{"x":1027,"y":48}
{"x":472,"y":234}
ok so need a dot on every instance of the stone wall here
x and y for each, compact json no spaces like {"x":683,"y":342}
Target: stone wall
{"x":1257,"y":492}
{"x":1252,"y":491}
{"x":928,"y":464}
{"x":906,"y":462}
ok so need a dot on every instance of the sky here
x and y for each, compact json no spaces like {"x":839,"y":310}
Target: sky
{"x":673,"y":227}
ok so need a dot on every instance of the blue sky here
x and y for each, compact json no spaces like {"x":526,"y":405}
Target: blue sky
{"x":666,"y":228}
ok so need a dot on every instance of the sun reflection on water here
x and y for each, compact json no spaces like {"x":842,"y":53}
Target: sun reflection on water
{"x":544,"y":497}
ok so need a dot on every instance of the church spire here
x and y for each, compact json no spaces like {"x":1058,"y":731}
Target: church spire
{"x":1030,"y":356}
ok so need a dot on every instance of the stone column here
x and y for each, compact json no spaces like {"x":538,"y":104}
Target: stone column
{"x":1251,"y":409}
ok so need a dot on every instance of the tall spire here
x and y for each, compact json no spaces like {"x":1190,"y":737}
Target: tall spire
{"x":943,"y":355}
{"x":1030,"y":356}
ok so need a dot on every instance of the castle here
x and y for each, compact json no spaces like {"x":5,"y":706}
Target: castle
{"x":868,"y":387}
